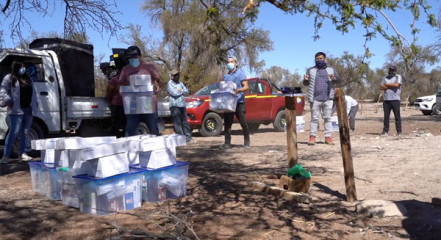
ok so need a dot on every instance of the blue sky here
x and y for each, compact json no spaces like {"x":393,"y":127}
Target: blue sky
{"x":294,"y":47}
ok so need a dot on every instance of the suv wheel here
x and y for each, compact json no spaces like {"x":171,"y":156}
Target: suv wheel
{"x":211,"y":125}
{"x":435,"y":111}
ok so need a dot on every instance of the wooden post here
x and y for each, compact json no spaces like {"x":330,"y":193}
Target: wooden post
{"x":345,"y":142}
{"x":291,"y":130}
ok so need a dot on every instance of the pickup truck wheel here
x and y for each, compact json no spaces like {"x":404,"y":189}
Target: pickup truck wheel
{"x":142,"y":129}
{"x":280,"y":121}
{"x":35,"y":133}
{"x":211,"y":125}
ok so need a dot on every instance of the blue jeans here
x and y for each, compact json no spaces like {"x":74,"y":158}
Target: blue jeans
{"x":19,"y":125}
{"x":133,"y":120}
{"x":180,"y":122}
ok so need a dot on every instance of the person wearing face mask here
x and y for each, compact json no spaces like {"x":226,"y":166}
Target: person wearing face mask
{"x":17,"y":93}
{"x":138,"y":66}
{"x":391,"y":85}
{"x":237,"y":76}
{"x":177,"y":91}
{"x":320,"y":80}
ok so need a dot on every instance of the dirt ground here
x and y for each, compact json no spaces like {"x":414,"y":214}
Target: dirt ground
{"x":220,"y":204}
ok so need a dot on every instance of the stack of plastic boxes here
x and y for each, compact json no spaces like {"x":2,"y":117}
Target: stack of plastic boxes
{"x":93,"y":174}
{"x":163,"y":177}
{"x":138,"y":98}
{"x":224,"y":99}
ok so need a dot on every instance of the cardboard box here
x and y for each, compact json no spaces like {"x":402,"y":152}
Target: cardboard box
{"x":80,"y":142}
{"x":108,"y":166}
{"x":140,"y":80}
{"x":102,"y":196}
{"x":158,"y":158}
{"x":94,"y":151}
{"x":159,"y":142}
{"x":164,"y":183}
{"x":51,"y":156}
{"x":146,"y":89}
{"x":42,"y":144}
{"x":223,"y":102}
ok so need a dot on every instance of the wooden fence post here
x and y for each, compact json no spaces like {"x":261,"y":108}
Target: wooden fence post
{"x":345,"y":143}
{"x":291,"y":130}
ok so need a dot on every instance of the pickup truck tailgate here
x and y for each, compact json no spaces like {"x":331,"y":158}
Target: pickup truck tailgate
{"x":87,"y":107}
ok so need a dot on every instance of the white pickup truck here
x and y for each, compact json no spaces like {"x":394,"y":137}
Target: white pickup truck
{"x":64,"y":88}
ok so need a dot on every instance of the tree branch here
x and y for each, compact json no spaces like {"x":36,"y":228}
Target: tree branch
{"x":6,"y":6}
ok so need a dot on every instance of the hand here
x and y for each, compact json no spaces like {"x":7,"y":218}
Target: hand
{"x":383,"y":87}
{"x":306,"y":77}
{"x":332,"y":77}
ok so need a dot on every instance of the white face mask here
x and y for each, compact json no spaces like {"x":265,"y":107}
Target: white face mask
{"x":230,"y":66}
{"x":22,"y":71}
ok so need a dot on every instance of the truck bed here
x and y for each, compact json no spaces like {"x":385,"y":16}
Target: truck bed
{"x":87,"y":108}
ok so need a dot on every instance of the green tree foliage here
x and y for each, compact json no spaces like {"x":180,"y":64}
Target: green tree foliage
{"x":200,"y":35}
{"x":281,"y":77}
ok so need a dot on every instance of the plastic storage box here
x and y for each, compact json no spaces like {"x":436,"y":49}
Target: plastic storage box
{"x":164,"y":183}
{"x":138,"y":102}
{"x":102,"y":196}
{"x":223,"y":102}
{"x":45,"y":180}
{"x":68,"y":188}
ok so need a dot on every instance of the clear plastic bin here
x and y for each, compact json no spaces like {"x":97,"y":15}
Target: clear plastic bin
{"x":164,"y":183}
{"x":138,"y":102}
{"x":45,"y":180}
{"x":223,"y":102}
{"x":102,"y":196}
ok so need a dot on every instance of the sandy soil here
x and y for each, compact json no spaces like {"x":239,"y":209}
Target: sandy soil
{"x":220,"y":204}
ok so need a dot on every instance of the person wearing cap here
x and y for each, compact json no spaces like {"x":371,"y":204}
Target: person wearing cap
{"x":138,"y":66}
{"x":320,"y":80}
{"x":177,"y":91}
{"x":236,"y":75}
{"x":391,"y":85}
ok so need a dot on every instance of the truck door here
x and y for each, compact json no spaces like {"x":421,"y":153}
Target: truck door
{"x":258,"y":101}
{"x":46,"y":92}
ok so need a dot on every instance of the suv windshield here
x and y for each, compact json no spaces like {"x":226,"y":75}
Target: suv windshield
{"x":207,"y":89}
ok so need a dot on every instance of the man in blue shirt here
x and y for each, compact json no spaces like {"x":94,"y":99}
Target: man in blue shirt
{"x":237,"y":76}
{"x":177,"y":91}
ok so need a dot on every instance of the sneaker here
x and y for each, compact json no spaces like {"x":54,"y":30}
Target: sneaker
{"x":399,"y":134}
{"x":4,"y":160}
{"x":25,"y":157}
{"x":328,"y":140}
{"x":384,"y":134}
{"x":225,"y":146}
{"x":246,"y":143}
{"x":311,"y":140}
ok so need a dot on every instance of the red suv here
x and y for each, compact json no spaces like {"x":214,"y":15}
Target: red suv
{"x":263,"y":106}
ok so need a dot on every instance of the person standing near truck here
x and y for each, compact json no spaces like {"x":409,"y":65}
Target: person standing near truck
{"x":138,"y":66}
{"x":17,"y":94}
{"x":177,"y":91}
{"x":237,"y":76}
{"x":320,"y":80}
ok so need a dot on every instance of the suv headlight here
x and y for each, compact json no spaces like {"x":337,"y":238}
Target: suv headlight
{"x":194,"y":104}
{"x":427,"y":99}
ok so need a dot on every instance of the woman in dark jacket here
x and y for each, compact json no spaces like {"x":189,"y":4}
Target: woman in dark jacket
{"x":17,"y":93}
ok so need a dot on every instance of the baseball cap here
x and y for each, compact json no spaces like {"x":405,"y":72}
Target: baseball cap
{"x":174,"y":72}
{"x":133,"y":51}
{"x":393,"y":68}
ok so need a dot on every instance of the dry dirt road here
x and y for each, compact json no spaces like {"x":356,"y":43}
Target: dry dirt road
{"x":220,"y":204}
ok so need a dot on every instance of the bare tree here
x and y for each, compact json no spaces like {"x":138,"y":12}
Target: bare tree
{"x":79,"y":15}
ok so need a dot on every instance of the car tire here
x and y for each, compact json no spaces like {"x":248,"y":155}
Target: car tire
{"x":435,"y":111}
{"x":280,"y":121}
{"x":211,"y":125}
{"x":35,"y":132}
